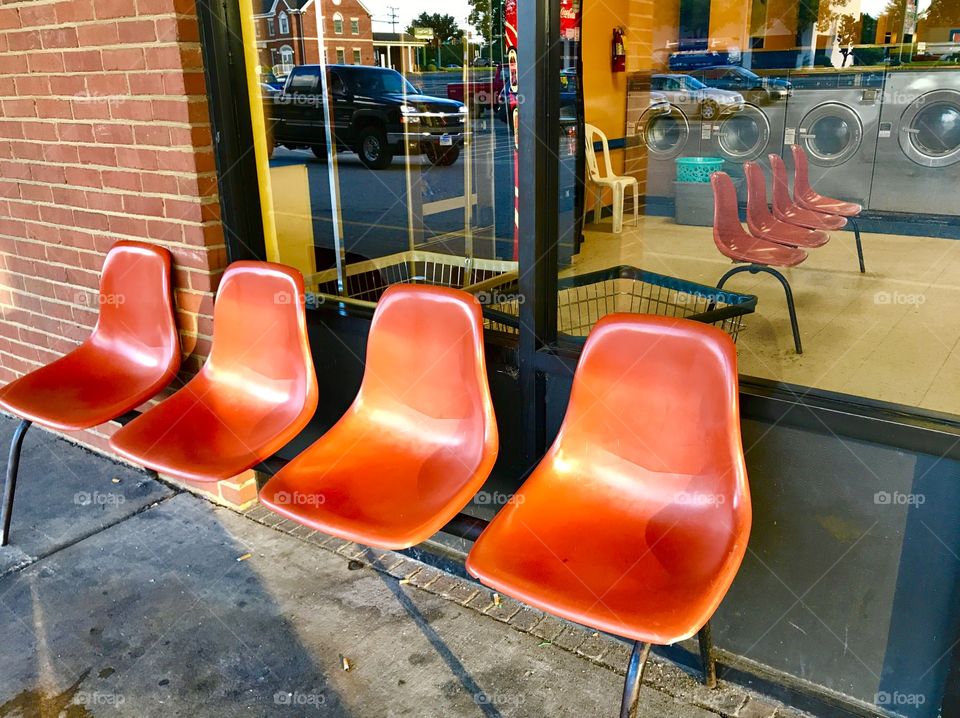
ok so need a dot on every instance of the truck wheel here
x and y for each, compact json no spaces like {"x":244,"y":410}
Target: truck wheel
{"x":320,"y":153}
{"x":442,"y":156}
{"x":373,"y":149}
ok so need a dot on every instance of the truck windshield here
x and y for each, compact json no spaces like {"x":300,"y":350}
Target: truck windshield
{"x":376,"y":81}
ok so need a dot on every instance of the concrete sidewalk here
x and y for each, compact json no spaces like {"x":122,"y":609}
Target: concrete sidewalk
{"x":121,"y":596}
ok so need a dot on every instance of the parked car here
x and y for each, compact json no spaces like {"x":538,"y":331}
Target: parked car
{"x":691,"y":95}
{"x":482,"y":62}
{"x":569,"y":80}
{"x":659,"y":104}
{"x":480,"y":94}
{"x":755,"y":89}
{"x":376,"y":110}
{"x":695,"y":59}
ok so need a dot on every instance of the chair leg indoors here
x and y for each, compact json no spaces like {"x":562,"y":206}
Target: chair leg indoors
{"x":618,"y":193}
{"x":856,"y":234}
{"x":791,"y":308}
{"x":10,"y":485}
{"x":706,"y":656}
{"x":631,"y":688}
{"x":636,"y":204}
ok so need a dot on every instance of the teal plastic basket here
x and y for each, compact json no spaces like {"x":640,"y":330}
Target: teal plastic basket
{"x":697,"y":169}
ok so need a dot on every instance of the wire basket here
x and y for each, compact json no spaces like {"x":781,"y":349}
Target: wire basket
{"x":366,"y":281}
{"x":583,"y":299}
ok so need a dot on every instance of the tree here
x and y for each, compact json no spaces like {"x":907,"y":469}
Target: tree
{"x":444,"y":26}
{"x":848,"y":35}
{"x":487,"y":17}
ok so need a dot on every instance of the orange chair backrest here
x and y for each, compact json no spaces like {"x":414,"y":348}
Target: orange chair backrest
{"x":726,"y":211}
{"x":801,"y":177}
{"x":136,"y":306}
{"x":781,"y":187}
{"x":425,"y":363}
{"x":654,"y":411}
{"x":260,"y":345}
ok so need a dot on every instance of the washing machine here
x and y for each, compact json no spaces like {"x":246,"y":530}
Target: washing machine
{"x":918,"y":150}
{"x":657,"y":133}
{"x":836,"y":119}
{"x":747,"y":136}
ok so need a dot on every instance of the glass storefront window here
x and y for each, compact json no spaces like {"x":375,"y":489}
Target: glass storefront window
{"x":870,"y":93}
{"x":390,"y":160}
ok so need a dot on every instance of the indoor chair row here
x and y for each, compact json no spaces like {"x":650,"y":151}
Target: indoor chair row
{"x":783,"y":236}
{"x":635,"y":522}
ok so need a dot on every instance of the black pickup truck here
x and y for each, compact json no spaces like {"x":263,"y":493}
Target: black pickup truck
{"x":375,"y":111}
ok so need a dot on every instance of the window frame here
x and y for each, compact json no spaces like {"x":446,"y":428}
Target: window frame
{"x":284,"y":23}
{"x":354,"y":26}
{"x":337,"y":23}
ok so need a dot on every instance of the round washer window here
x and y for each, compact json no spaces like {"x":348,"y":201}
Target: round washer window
{"x":930,"y":129}
{"x":744,"y":135}
{"x":831,"y":134}
{"x":665,"y":134}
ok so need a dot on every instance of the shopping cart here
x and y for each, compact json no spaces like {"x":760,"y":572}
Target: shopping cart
{"x":366,"y":281}
{"x":585,"y":298}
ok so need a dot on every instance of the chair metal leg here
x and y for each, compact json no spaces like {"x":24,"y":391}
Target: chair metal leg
{"x":706,"y":656}
{"x":856,"y":234}
{"x":791,"y":308}
{"x":636,"y":204}
{"x":631,"y":688}
{"x":10,"y":485}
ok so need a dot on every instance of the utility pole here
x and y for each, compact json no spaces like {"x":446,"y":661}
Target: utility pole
{"x":393,"y":17}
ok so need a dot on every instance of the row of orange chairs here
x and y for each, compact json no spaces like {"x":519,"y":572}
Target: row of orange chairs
{"x":635,"y":522}
{"x":783,"y":236}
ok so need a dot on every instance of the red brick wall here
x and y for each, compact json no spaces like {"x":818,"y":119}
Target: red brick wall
{"x":104,"y":135}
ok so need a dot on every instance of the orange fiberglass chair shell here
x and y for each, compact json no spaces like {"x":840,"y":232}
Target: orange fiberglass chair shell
{"x":806,"y":197}
{"x":418,"y":441}
{"x":760,"y":255}
{"x":255,"y":392}
{"x":132,"y":353}
{"x":636,"y":520}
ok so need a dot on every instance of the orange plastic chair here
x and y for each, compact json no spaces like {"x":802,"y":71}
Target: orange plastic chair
{"x":255,"y":392}
{"x":805,"y":196}
{"x":786,"y":210}
{"x":636,"y":520}
{"x":761,"y":255}
{"x":418,"y":441}
{"x":132,"y":353}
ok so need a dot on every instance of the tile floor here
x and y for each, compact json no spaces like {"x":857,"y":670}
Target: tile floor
{"x":890,"y":334}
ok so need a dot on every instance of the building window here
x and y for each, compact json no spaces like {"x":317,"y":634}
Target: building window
{"x":341,"y":58}
{"x":356,"y":57}
{"x":271,"y":27}
{"x":284,"y":24}
{"x":354,"y":26}
{"x":338,"y":23}
{"x":286,"y":60}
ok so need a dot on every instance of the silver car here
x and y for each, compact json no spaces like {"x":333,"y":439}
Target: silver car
{"x":695,"y":98}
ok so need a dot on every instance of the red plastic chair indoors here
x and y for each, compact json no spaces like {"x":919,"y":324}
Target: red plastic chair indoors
{"x":132,"y":353}
{"x":418,"y":441}
{"x":764,"y":225}
{"x":787,"y":211}
{"x":806,"y":197}
{"x":761,"y":255}
{"x":255,"y":392}
{"x":637,"y":519}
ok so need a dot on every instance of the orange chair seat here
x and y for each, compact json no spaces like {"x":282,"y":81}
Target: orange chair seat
{"x":189,"y":437}
{"x":131,"y":354}
{"x":418,"y":441}
{"x":87,"y":387}
{"x":377,"y":485}
{"x":618,"y":573}
{"x":255,"y":392}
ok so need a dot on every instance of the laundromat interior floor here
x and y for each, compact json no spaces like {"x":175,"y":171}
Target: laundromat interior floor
{"x":889,"y":334}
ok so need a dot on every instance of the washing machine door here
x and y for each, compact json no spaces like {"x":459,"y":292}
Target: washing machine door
{"x":831,"y":134}
{"x":930,"y":129}
{"x":664,"y":134}
{"x":743,"y":136}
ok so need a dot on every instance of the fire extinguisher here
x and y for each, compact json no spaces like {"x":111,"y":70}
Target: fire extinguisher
{"x":619,"y":60}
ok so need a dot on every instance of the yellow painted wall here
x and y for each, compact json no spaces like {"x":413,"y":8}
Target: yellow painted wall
{"x":729,"y":24}
{"x":781,"y":28}
{"x":294,"y":219}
